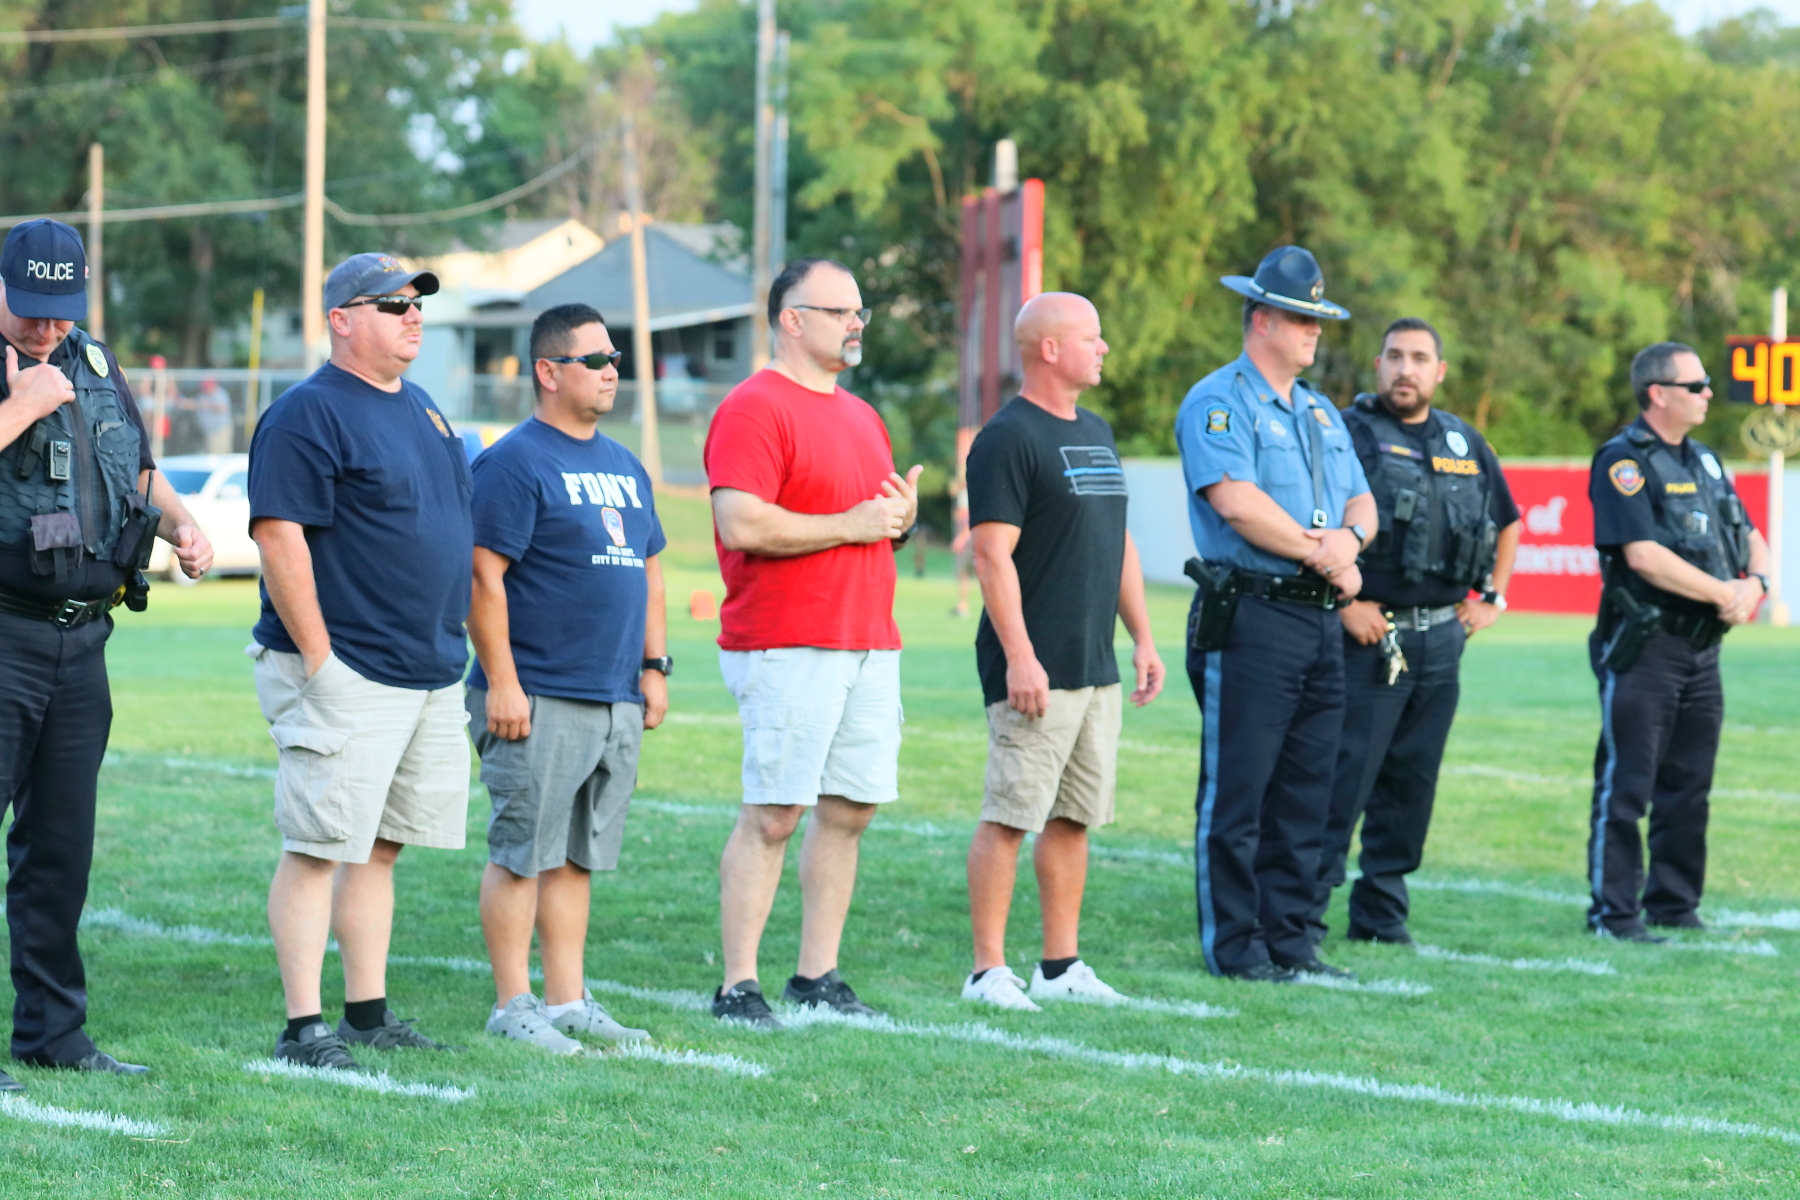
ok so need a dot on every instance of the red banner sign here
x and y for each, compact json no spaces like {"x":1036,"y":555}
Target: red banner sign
{"x":1558,"y":569}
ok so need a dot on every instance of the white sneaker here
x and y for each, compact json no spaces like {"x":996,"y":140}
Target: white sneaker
{"x":592,"y":1018}
{"x":1001,"y":988}
{"x":524,"y":1020}
{"x":1077,"y":983}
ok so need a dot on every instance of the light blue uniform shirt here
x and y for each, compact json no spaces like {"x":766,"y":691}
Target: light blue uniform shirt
{"x":1233,"y":423}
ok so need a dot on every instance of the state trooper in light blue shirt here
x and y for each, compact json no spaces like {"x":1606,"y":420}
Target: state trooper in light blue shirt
{"x":1278,"y":505}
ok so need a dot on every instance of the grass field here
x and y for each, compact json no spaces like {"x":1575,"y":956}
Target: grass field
{"x":1518,"y":1057}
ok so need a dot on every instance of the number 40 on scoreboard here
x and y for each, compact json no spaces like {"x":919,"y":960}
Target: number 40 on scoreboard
{"x":1763,"y":371}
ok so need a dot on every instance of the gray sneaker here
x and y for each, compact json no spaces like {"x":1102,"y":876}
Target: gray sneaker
{"x":524,"y":1020}
{"x":316,"y":1046}
{"x":391,"y":1034}
{"x":593,"y":1019}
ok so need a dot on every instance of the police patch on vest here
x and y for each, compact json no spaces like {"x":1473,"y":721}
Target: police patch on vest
{"x":438,"y":421}
{"x":1218,"y":421}
{"x":1626,"y":476}
{"x":1712,"y":466}
{"x":1455,"y":466}
{"x":97,"y":359}
{"x":1459,"y":445}
{"x":1688,"y":488}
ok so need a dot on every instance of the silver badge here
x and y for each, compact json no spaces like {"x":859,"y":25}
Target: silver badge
{"x":1712,"y":466}
{"x":1459,"y":445}
{"x":1276,"y":428}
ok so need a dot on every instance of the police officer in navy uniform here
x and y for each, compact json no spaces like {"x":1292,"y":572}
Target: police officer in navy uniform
{"x":1280,"y":510}
{"x":1680,"y":564}
{"x":77,"y":511}
{"x":1449,"y":530}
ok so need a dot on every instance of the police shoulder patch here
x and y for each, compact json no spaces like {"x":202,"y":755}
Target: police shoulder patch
{"x":97,"y":359}
{"x":1459,"y":445}
{"x":1712,"y":466}
{"x":1218,"y":421}
{"x":1626,"y":476}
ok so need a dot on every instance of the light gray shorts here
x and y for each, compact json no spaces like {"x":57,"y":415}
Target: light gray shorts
{"x":361,"y":760}
{"x":817,"y":723}
{"x":561,"y":792}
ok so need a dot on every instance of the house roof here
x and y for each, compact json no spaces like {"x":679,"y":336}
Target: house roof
{"x":695,"y":274}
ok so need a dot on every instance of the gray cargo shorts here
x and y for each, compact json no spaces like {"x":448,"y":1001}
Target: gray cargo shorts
{"x":560,"y":794}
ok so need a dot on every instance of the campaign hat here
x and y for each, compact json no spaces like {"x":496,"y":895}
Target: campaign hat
{"x":373,"y":275}
{"x":1288,"y":277}
{"x":45,"y":270}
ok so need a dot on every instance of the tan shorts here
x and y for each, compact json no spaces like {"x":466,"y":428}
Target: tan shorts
{"x":360,"y":760}
{"x":1063,"y":764}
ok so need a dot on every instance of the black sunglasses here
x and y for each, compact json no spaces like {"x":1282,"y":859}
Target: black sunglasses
{"x":599,"y":360}
{"x":1696,"y":386}
{"x":393,"y":306}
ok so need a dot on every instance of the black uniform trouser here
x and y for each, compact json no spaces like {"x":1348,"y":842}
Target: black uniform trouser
{"x":1659,"y":737}
{"x":55,"y":714}
{"x":1387,"y":771}
{"x":1272,"y":703}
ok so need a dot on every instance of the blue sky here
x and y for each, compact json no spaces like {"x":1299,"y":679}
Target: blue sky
{"x":590,"y":21}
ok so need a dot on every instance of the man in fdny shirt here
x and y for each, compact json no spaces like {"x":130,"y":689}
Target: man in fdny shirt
{"x":568,"y":624}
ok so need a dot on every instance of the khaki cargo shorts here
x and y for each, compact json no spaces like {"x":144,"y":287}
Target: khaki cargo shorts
{"x":1062,"y":764}
{"x":360,"y":760}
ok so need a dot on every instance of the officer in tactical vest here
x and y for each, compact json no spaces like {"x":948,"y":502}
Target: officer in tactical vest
{"x":1449,"y":529}
{"x":1279,"y":510}
{"x":78,"y":512}
{"x":1680,"y":564}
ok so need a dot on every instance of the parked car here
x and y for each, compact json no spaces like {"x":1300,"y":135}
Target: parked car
{"x":216,"y":490}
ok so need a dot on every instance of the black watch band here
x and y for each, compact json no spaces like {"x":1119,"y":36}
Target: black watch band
{"x":1760,"y":578}
{"x":665,"y":664}
{"x":907,"y":536}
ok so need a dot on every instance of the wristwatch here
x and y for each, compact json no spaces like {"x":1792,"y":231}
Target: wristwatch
{"x":907,"y":536}
{"x":1760,"y":578}
{"x":1494,"y":598}
{"x":1362,"y":535}
{"x":665,"y":664}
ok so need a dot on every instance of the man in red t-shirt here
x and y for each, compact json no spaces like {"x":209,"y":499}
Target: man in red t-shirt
{"x":807,"y":510}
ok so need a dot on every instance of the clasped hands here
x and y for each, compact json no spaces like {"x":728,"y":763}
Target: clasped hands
{"x":1334,"y":557}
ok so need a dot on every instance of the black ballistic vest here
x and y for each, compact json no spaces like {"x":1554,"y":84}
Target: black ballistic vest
{"x":1698,"y":516}
{"x":1434,"y":506}
{"x":94,"y":447}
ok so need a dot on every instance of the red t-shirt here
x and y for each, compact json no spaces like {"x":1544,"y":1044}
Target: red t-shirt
{"x":809,"y":453}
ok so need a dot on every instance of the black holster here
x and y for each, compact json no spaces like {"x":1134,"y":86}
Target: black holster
{"x":1634,"y":623}
{"x":1209,"y":621}
{"x":137,"y":592}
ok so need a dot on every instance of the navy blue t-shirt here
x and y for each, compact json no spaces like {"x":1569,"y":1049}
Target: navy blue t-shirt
{"x":578,"y":521}
{"x":382,"y":486}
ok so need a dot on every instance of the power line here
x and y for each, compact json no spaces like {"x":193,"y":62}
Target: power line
{"x":209,"y":208}
{"x":201,"y":68}
{"x":239,"y":24}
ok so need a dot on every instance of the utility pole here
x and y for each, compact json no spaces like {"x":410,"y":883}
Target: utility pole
{"x":1778,"y":330}
{"x":96,"y":244}
{"x":778,"y":161}
{"x":253,"y":385}
{"x":643,"y":354}
{"x":761,"y":276}
{"x":312,"y":242}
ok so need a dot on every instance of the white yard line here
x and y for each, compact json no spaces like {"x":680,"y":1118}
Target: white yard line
{"x":380,"y":1084}
{"x":1561,"y":1110}
{"x":112,"y":918}
{"x":1761,"y":948}
{"x":731,"y":1064}
{"x":1379,"y":987}
{"x":1580,"y":966}
{"x":20,"y":1109}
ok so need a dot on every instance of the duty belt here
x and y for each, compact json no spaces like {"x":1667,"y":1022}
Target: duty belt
{"x":64,"y":614}
{"x":1702,"y":628}
{"x":1312,"y":592}
{"x":1418,"y":620}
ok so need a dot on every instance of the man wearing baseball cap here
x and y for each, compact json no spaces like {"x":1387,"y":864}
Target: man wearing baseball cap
{"x":359,"y":501}
{"x":80,"y":503}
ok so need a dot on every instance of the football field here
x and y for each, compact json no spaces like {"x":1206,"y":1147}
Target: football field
{"x":1508,"y":1055}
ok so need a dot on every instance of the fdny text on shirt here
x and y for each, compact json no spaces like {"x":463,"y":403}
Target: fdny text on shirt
{"x":600,"y":487}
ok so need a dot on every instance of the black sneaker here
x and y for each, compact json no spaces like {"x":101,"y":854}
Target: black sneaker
{"x":828,"y":990}
{"x":1681,"y":921}
{"x":391,"y":1034}
{"x":1262,"y":972}
{"x":1391,"y":937}
{"x":316,"y":1046}
{"x":1634,"y":933}
{"x":9,"y":1084}
{"x":1317,"y":966}
{"x":743,"y":1004}
{"x":105,"y":1064}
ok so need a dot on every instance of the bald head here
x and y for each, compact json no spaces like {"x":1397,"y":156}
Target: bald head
{"x":1060,"y":347}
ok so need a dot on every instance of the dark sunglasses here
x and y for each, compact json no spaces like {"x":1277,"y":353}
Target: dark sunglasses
{"x":1696,"y":386}
{"x":599,"y":360}
{"x":393,"y":306}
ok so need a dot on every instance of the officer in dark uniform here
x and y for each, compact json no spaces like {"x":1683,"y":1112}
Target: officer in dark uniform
{"x":1449,"y":527}
{"x":1681,"y":564}
{"x":1279,"y":509}
{"x":77,"y":514}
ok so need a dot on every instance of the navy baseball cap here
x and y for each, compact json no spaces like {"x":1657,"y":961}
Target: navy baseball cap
{"x":45,"y":271}
{"x":373,"y":275}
